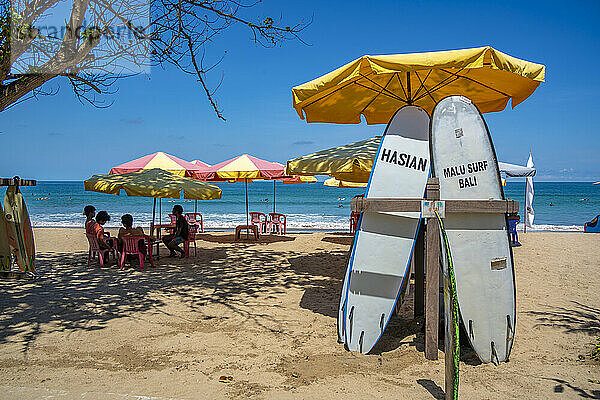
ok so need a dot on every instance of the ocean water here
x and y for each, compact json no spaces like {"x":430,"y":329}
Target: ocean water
{"x":309,"y":207}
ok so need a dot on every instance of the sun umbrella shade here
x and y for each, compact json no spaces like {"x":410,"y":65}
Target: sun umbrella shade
{"x":155,"y":183}
{"x":516,"y":170}
{"x":352,"y":162}
{"x":159,"y":160}
{"x":377,"y":86}
{"x":332,"y":182}
{"x":241,"y":168}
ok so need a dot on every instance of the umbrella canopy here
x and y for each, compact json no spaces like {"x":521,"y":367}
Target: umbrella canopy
{"x":158,"y":160}
{"x":517,"y":171}
{"x":241,"y":168}
{"x":377,"y":86}
{"x":332,"y":182}
{"x":352,"y":162}
{"x":200,"y":164}
{"x":155,"y":183}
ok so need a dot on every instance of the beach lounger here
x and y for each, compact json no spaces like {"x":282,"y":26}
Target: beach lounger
{"x":95,"y":249}
{"x":131,"y":245}
{"x":259,"y":219}
{"x":277,"y":221}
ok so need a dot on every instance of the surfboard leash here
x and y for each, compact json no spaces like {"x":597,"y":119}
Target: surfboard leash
{"x":454,"y":305}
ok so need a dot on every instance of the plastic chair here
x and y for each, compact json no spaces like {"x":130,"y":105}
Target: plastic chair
{"x":259,"y":219}
{"x":95,"y":249}
{"x":131,"y":245}
{"x":173,"y":218}
{"x":278,"y":221}
{"x":195,"y":218}
{"x":354,"y":221}
{"x":513,"y":220}
{"x":193,"y":229}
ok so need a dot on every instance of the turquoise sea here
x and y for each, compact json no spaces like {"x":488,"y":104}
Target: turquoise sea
{"x":309,"y":207}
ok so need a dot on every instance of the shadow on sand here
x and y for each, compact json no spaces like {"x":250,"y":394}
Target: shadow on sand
{"x":230,"y":238}
{"x":579,"y":318}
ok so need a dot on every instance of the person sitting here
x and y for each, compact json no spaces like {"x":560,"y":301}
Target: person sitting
{"x":129,"y":230}
{"x":104,"y":241}
{"x":90,"y":213}
{"x":180,"y":235}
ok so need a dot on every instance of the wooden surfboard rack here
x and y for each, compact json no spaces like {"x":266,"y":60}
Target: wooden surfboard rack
{"x":427,"y":252}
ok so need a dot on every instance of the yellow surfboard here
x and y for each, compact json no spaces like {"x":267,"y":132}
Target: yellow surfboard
{"x":19,"y":231}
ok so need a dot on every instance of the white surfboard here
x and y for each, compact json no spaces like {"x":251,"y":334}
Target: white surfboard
{"x":378,"y":269}
{"x":464,"y":160}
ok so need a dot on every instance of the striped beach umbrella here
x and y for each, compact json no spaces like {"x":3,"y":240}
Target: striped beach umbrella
{"x":159,"y":160}
{"x":242,"y":168}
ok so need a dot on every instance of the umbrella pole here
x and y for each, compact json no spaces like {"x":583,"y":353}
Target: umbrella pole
{"x":153,"y":217}
{"x":246,"y":182}
{"x":195,"y":206}
{"x":274,"y":195}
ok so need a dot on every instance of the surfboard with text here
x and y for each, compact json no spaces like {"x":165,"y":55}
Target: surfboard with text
{"x":464,"y":160}
{"x":378,"y":270}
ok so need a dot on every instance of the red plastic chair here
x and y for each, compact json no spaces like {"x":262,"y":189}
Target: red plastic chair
{"x":259,"y":219}
{"x":277,"y":221}
{"x":95,"y":249}
{"x":173,"y":218}
{"x":193,"y":229}
{"x":131,"y":245}
{"x":354,"y":221}
{"x":195,"y":218}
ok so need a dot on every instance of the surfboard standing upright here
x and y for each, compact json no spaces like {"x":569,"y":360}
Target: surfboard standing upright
{"x":20,"y":233}
{"x":464,"y":160}
{"x":378,"y":269}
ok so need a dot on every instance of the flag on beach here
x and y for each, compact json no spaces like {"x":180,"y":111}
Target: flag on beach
{"x":529,"y":214}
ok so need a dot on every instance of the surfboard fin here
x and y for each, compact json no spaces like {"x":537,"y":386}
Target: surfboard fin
{"x":360,"y":341}
{"x":494,"y":355}
{"x":510,"y":334}
{"x":351,"y":318}
{"x":471,"y":329}
{"x":381,"y":322}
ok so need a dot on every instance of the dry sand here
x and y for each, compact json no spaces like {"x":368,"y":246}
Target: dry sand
{"x":265,"y":314}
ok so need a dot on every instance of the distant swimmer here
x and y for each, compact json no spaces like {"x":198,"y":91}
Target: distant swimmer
{"x":340,"y":206}
{"x":551,"y":204}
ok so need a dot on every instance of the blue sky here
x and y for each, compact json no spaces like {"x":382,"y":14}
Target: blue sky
{"x":56,"y":137}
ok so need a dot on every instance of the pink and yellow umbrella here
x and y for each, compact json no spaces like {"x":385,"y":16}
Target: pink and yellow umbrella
{"x":158,"y":160}
{"x":242,"y":168}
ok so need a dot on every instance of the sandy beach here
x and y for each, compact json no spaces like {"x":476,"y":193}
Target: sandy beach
{"x":265,"y":314}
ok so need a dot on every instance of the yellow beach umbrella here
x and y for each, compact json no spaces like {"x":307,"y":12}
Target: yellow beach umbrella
{"x":155,"y":183}
{"x":377,"y":86}
{"x":332,"y":182}
{"x":351,"y":162}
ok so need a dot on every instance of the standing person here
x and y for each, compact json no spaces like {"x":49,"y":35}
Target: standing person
{"x":181,"y":234}
{"x":90,"y":213}
{"x":104,"y":241}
